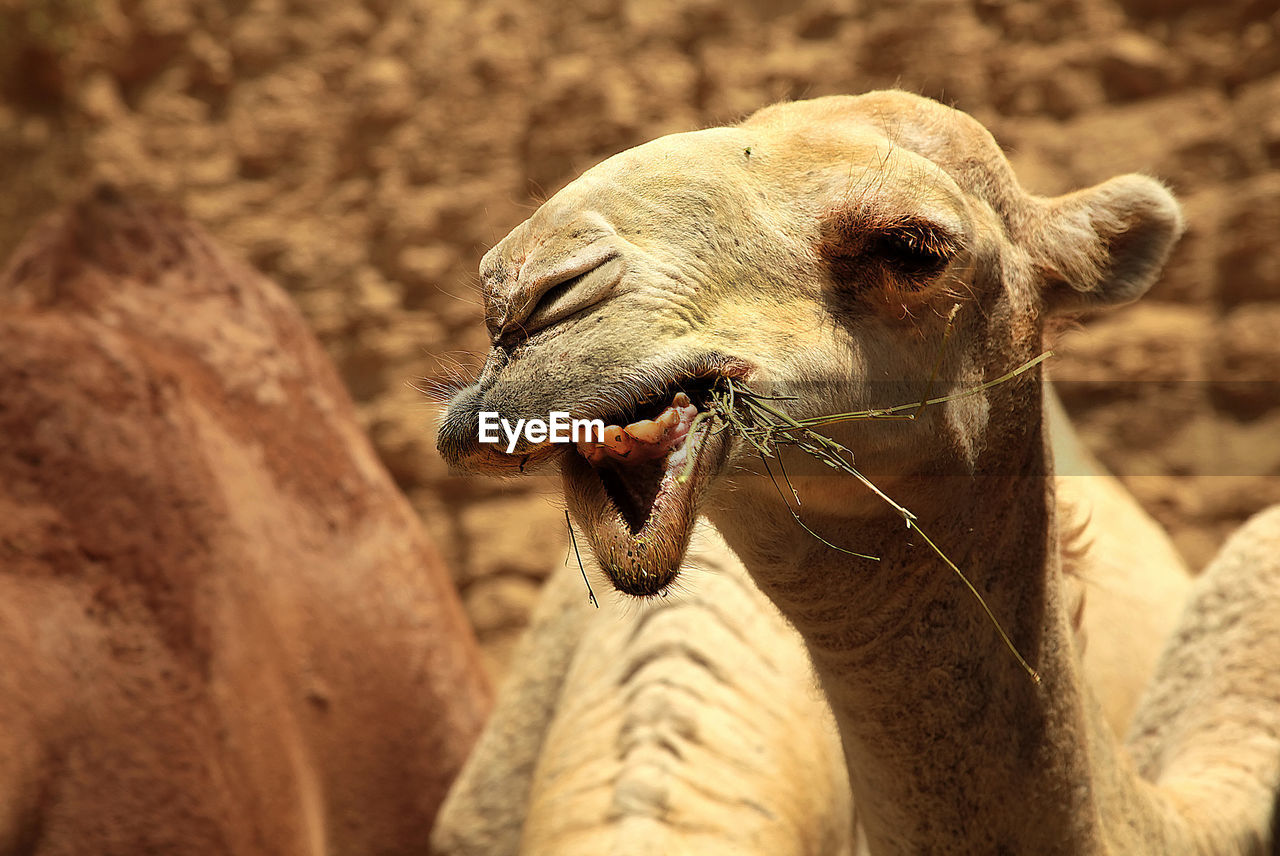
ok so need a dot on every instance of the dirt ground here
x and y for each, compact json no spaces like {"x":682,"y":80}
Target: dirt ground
{"x":364,"y":154}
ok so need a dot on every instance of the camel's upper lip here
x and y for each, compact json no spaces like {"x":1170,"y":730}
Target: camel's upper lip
{"x":637,"y":394}
{"x":646,"y":393}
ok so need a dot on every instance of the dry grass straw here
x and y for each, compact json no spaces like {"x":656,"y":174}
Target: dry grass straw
{"x":573,"y":542}
{"x":762,"y":421}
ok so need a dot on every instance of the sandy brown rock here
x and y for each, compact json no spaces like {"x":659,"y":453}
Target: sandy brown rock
{"x":222,"y":629}
{"x":1246,"y":362}
{"x":1248,"y":268}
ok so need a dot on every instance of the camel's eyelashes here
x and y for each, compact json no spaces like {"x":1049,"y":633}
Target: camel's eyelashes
{"x":865,"y":254}
{"x":913,"y":250}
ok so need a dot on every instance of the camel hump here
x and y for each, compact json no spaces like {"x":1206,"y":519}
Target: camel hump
{"x":128,"y":237}
{"x":221,"y":624}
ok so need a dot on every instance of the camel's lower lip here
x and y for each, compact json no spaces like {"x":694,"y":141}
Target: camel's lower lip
{"x":640,"y":550}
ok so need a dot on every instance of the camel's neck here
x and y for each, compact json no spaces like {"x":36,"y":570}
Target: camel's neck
{"x":950,"y":744}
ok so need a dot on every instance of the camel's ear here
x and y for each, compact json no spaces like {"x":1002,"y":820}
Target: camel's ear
{"x":1104,"y":246}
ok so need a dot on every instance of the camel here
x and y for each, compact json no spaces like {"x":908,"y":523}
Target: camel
{"x":222,"y":628}
{"x":555,"y":766}
{"x":843,"y":254}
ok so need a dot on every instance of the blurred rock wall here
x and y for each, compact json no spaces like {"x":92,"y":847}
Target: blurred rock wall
{"x":364,"y":154}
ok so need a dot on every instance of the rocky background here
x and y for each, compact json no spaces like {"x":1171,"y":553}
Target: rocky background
{"x":364,"y":153}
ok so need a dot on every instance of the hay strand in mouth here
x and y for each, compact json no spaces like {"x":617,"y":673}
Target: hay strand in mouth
{"x":573,"y":542}
{"x":691,"y":460}
{"x":898,"y":411}
{"x":796,"y":514}
{"x":756,"y":419}
{"x":995,"y":622}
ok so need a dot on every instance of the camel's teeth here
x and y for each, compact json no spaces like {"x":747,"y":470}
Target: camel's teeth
{"x":680,"y":400}
{"x":668,"y":419}
{"x":616,"y":440}
{"x":646,"y":431}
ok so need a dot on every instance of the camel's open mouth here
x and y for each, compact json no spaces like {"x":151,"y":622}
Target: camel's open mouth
{"x":636,"y":492}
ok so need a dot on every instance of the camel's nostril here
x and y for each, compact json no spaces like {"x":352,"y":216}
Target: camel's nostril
{"x":553,"y":295}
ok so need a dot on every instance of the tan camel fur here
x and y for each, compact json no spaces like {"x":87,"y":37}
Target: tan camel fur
{"x":817,"y":251}
{"x":222,"y":628}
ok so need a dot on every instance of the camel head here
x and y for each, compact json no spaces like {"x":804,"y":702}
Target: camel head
{"x":819,"y":250}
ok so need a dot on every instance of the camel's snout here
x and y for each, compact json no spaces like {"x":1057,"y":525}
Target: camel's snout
{"x":459,"y":437}
{"x":456,"y":440}
{"x":473,"y":416}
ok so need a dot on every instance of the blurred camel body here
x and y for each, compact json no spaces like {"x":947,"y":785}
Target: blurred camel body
{"x":842,"y":253}
{"x":584,"y":752}
{"x":222,"y":629}
{"x":687,"y":725}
